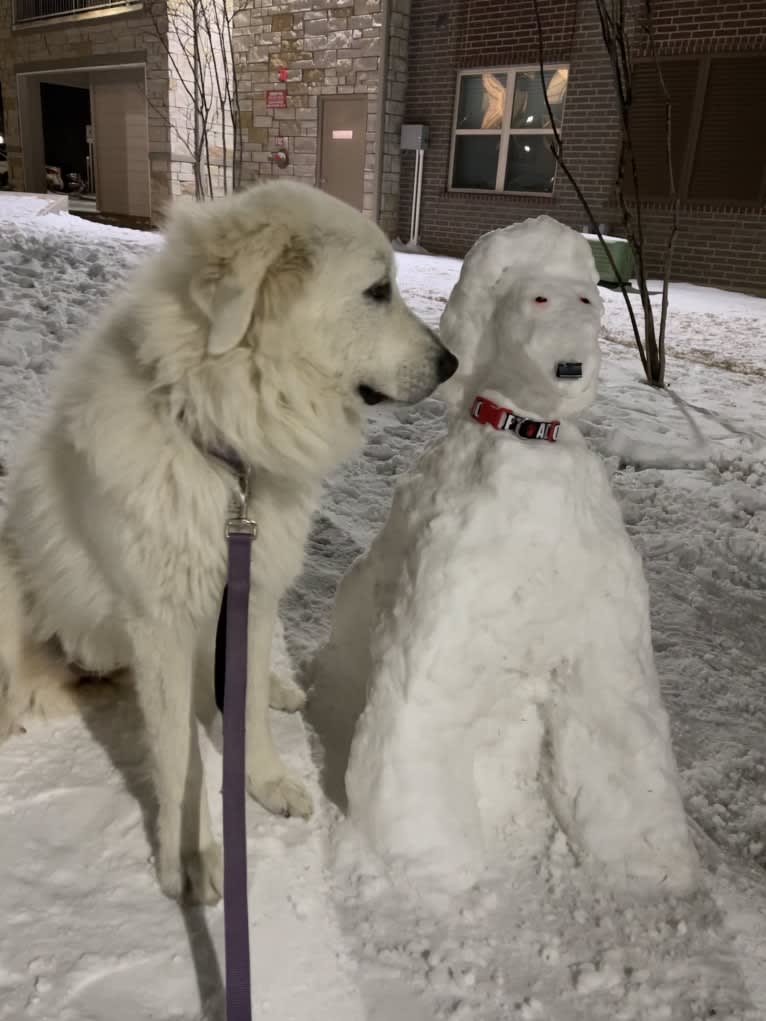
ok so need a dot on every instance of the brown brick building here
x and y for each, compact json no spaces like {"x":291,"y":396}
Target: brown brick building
{"x":713,"y":55}
{"x":328,"y":84}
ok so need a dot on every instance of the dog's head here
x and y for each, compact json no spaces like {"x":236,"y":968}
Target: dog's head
{"x":292,"y":324}
{"x":294,"y":295}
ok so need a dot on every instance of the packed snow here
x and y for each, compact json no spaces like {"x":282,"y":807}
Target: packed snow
{"x":86,"y":933}
{"x":22,"y":205}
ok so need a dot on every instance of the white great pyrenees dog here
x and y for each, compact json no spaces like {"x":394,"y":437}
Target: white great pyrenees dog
{"x":264,"y":325}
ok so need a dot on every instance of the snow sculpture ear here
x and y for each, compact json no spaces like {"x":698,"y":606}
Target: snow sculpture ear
{"x":227,"y":305}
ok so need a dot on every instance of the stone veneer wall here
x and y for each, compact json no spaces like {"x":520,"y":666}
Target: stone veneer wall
{"x":68,"y":43}
{"x":137,"y":36}
{"x":215,"y":162}
{"x":328,"y":47}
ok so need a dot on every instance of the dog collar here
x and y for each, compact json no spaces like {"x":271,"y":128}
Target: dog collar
{"x":486,"y":412}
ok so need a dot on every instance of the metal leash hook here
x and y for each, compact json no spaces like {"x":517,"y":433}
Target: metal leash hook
{"x":240,"y":534}
{"x":238,"y":523}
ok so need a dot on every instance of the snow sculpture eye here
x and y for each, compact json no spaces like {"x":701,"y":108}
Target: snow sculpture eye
{"x":585,"y":301}
{"x":540,"y":300}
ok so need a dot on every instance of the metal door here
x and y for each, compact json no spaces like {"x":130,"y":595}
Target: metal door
{"x":121,"y":138}
{"x":343,"y":135}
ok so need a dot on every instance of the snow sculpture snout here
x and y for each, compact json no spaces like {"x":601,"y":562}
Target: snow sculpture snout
{"x":539,"y":324}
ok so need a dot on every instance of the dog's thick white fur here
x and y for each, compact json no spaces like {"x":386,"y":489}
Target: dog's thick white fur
{"x":262,"y":325}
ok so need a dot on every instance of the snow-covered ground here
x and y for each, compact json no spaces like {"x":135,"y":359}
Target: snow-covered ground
{"x":85,"y":933}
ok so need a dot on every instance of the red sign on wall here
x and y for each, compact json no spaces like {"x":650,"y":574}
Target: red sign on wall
{"x":276,"y":99}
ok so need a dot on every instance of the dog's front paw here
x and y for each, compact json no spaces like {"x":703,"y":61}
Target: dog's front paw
{"x":194,"y":877}
{"x":282,"y":795}
{"x":285,"y":694}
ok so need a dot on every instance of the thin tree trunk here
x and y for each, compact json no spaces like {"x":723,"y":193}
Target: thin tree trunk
{"x":557,"y":150}
{"x":667,"y":260}
{"x":616,"y":36}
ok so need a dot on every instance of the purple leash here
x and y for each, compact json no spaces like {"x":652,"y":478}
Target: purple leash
{"x":231,"y":676}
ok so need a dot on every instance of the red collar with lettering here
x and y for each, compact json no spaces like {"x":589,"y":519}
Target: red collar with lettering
{"x":486,"y":412}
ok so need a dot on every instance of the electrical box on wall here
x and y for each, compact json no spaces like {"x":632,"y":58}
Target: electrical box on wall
{"x":414,"y":136}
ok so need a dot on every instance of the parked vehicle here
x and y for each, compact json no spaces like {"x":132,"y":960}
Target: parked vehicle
{"x":53,"y":179}
{"x":75,"y":184}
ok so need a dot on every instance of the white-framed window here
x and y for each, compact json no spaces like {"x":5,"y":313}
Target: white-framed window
{"x":502,"y":130}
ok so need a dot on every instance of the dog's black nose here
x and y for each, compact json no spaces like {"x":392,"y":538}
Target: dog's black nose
{"x":447,"y":365}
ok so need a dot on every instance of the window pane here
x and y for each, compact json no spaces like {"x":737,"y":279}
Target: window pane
{"x":529,"y":110}
{"x":531,"y":164}
{"x":482,"y":101}
{"x":731,"y":149}
{"x":647,"y":123}
{"x":476,"y":159}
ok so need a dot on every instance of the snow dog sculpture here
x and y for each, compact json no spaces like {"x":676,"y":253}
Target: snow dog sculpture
{"x":498,"y":628}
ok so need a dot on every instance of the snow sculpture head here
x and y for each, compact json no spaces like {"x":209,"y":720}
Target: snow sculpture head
{"x":526,"y":307}
{"x":543,"y":331}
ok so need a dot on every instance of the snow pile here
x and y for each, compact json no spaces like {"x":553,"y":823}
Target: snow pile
{"x":331,"y":939}
{"x":24,"y":205}
{"x":56,"y":272}
{"x":501,"y":617}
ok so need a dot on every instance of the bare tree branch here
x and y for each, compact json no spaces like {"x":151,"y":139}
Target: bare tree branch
{"x":674,"y":197}
{"x":198,"y":41}
{"x":616,"y":26}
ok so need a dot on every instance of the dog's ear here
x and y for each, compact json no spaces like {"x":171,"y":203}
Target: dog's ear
{"x":283,"y":279}
{"x":228,"y":306}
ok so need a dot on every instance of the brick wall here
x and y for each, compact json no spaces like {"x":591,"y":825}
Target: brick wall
{"x":396,"y":93}
{"x":707,"y":26}
{"x":716,"y":245}
{"x":441,"y":44}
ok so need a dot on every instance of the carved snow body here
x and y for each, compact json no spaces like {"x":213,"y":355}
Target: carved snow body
{"x":500,"y":621}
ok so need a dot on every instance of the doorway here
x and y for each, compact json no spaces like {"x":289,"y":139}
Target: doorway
{"x":66,"y":135}
{"x":343,"y":143}
{"x":94,"y":121}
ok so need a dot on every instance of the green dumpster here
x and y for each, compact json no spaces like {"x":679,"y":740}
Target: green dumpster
{"x":621,"y":253}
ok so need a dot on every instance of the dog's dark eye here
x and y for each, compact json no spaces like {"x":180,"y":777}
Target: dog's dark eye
{"x":585,"y":301}
{"x":380,"y":291}
{"x":540,"y":299}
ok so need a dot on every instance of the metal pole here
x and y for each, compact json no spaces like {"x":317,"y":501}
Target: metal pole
{"x":418,"y":196}
{"x":414,"y":199}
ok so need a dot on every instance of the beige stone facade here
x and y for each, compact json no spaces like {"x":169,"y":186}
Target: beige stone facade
{"x":108,"y":38}
{"x":312,"y":50}
{"x":326,"y":48}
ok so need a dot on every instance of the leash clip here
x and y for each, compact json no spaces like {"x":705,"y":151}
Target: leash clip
{"x":238,"y":523}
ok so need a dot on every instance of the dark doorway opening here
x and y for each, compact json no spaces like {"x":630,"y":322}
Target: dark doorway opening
{"x":66,"y":117}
